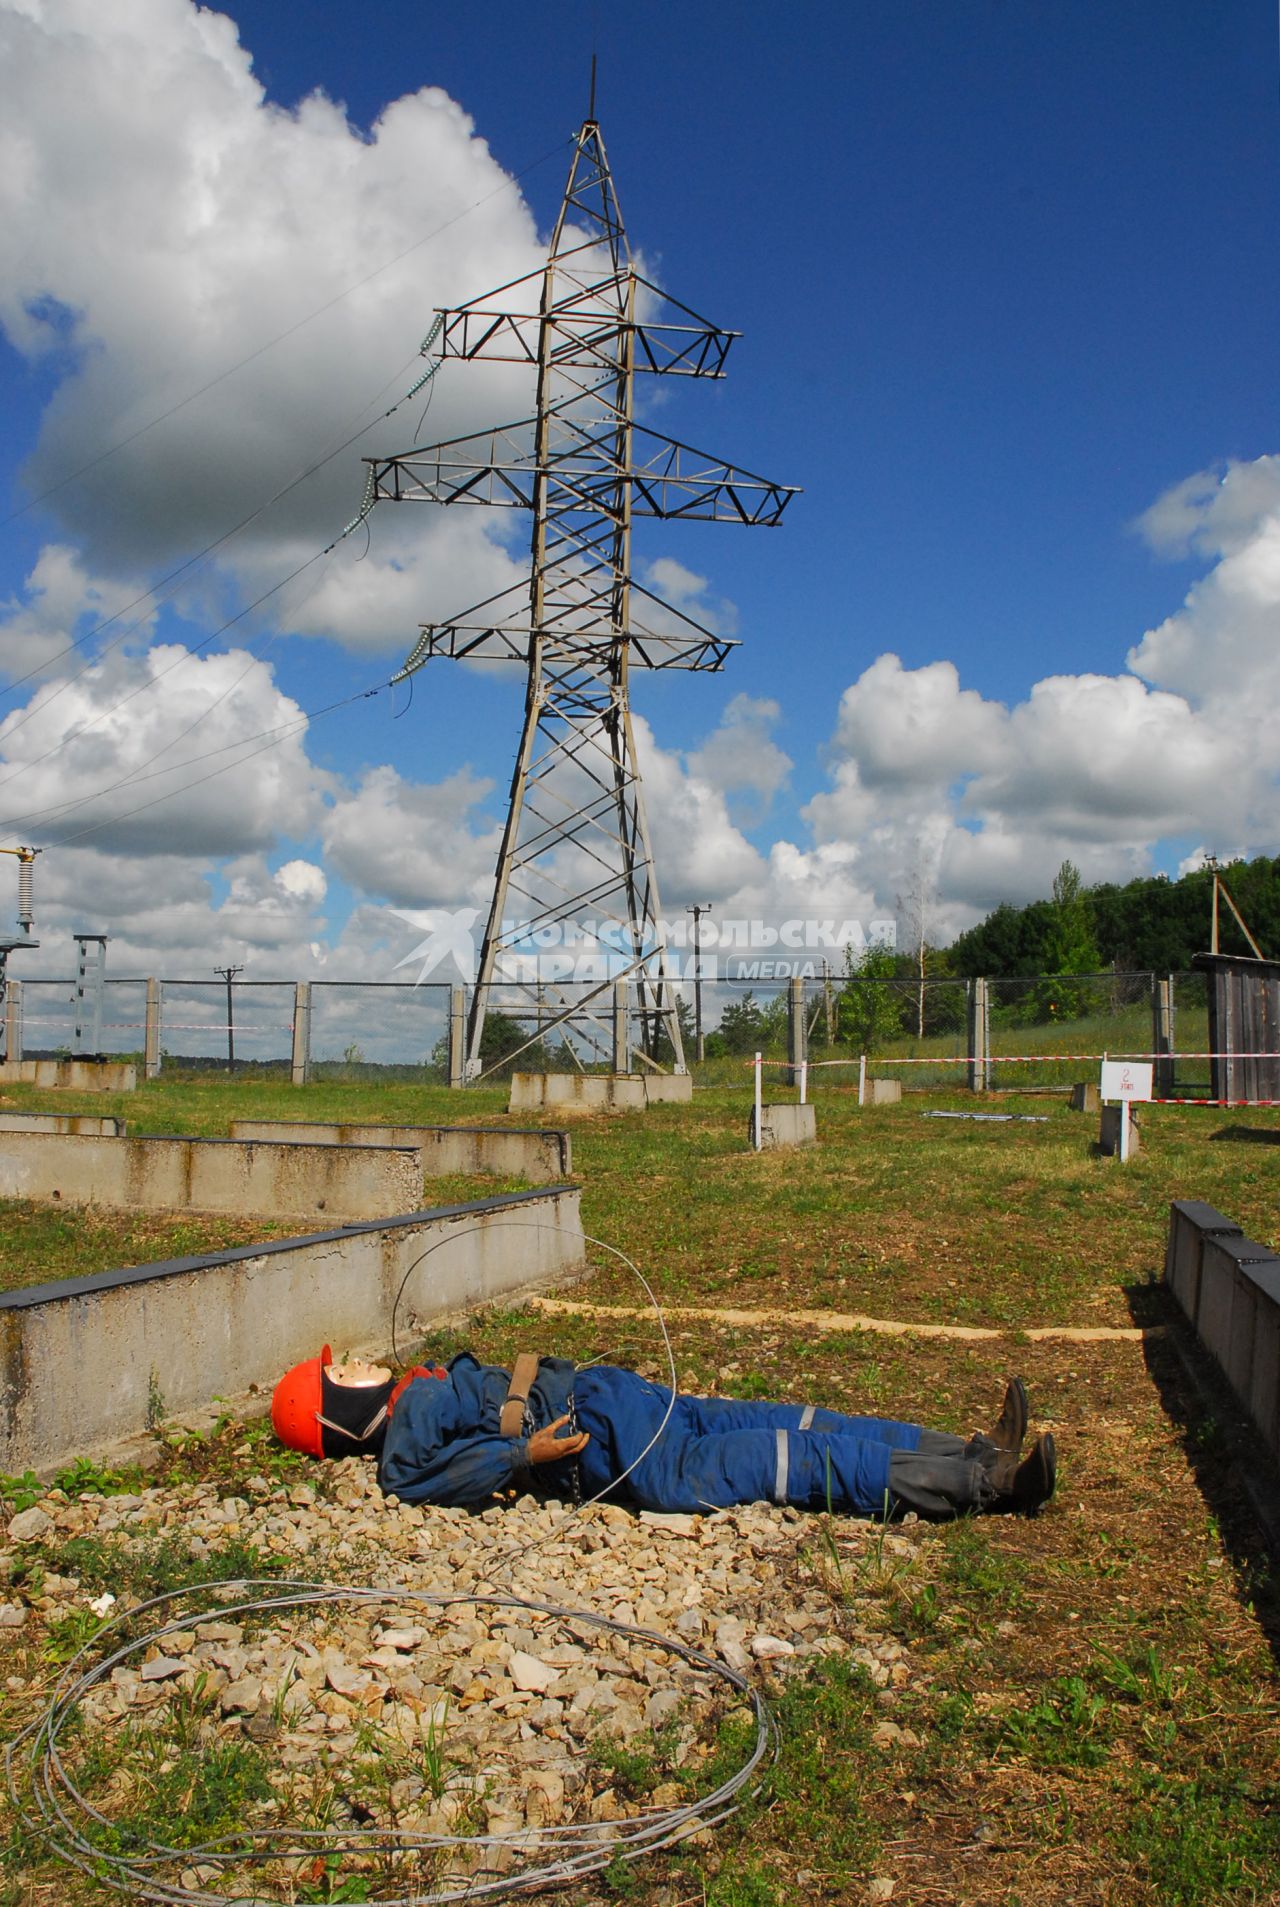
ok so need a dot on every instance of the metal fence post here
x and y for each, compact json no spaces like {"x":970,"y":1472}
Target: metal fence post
{"x":979,"y":1037}
{"x":13,"y":1023}
{"x":1162,"y":1043}
{"x":300,"y":1062}
{"x":457,"y":1036}
{"x":151,"y":1033}
{"x":621,"y":1028}
{"x":797,"y":1031}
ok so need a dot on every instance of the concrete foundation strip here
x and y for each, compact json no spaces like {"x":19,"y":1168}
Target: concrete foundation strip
{"x":852,"y":1321}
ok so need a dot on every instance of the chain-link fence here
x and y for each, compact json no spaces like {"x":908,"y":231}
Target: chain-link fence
{"x":1192,"y":1074}
{"x":1038,"y":1032}
{"x":50,"y":1018}
{"x":379,"y":1026}
{"x":1041,"y":1032}
{"x":1049,"y":1030}
{"x":202,"y":1025}
{"x":1045,"y":1032}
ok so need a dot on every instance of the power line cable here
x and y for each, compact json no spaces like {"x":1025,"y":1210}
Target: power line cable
{"x":55,"y":1807}
{"x":279,"y":730}
{"x":61,"y":809}
{"x":139,"y":773}
{"x":361,"y":695}
{"x":191,"y":563}
{"x":195,"y":649}
{"x":290,"y":331}
{"x":202,"y":556}
{"x":141,"y":688}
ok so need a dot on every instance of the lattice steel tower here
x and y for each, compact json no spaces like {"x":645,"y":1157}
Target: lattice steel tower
{"x":576,"y":843}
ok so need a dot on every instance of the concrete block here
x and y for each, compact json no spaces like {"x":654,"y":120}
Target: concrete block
{"x":76,"y":1075}
{"x":1263,"y":1398}
{"x":783,"y":1125}
{"x":1084,"y":1096}
{"x":1237,"y":1364}
{"x":1191,"y":1221}
{"x":515,"y":1152}
{"x":1255,"y":1291}
{"x":88,"y":1361}
{"x":158,"y":1173}
{"x":883,"y":1092}
{"x":576,"y":1092}
{"x":92,"y":1125}
{"x":1223,"y":1292}
{"x":668,"y":1089}
{"x":1232,"y":1296}
{"x":1109,"y":1133}
{"x":597,"y":1092}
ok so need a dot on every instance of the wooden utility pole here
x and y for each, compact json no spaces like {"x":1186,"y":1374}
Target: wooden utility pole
{"x":229,"y":974}
{"x":1220,"y":887}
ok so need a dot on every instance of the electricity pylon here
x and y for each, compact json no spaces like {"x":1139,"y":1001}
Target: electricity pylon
{"x":576,"y":844}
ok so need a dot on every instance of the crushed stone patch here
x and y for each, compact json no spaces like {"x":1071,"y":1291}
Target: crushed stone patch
{"x":516,"y":1710}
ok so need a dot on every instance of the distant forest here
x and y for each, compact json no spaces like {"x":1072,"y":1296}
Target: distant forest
{"x":1153,"y":925}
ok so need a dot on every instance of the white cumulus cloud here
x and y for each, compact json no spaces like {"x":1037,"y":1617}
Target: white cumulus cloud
{"x":161,"y":220}
{"x":133,"y":754}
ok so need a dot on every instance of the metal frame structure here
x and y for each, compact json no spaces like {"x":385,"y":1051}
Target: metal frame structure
{"x":576,"y":843}
{"x":21,"y":942}
{"x":91,"y":974}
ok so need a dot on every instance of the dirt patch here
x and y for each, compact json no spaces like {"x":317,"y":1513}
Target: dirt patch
{"x":850,"y":1321}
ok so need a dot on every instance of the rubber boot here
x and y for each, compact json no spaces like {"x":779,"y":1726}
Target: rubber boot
{"x":1011,"y":1424}
{"x":1023,"y":1487}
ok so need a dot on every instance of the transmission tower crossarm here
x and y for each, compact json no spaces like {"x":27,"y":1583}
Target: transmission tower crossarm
{"x":499,"y":642}
{"x":691,"y":648}
{"x":588,"y":320}
{"x":586,"y":338}
{"x":674,"y":480}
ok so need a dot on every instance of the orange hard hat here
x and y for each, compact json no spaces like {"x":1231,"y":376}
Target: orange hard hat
{"x":296,"y":1405}
{"x":313,"y":1414}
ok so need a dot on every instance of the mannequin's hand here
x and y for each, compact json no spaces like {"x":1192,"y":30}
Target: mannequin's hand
{"x":546,"y":1447}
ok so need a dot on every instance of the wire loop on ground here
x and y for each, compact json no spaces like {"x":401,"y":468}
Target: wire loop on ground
{"x":56,"y":1809}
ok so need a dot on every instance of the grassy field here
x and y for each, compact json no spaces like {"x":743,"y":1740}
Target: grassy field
{"x":935,"y":1060}
{"x":1094,"y":1715}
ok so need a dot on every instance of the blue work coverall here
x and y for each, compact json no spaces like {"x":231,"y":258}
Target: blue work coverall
{"x":443,"y":1445}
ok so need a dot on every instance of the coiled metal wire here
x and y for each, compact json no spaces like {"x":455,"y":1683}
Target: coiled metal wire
{"x":48,"y":1801}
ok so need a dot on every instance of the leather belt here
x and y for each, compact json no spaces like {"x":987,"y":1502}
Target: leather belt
{"x":523,"y":1374}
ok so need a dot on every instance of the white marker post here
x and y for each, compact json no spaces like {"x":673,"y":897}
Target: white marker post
{"x":759,"y":1133}
{"x":1125,"y":1080}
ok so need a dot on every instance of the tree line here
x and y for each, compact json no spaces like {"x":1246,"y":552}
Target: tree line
{"x":1053,"y":959}
{"x":1153,"y":925}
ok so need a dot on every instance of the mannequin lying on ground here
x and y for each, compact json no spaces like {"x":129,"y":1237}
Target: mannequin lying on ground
{"x":459,"y":1436}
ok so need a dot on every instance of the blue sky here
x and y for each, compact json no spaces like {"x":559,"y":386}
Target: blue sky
{"x":1007,"y":283}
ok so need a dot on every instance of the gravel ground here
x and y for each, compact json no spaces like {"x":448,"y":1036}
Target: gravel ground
{"x":466,"y":1719}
